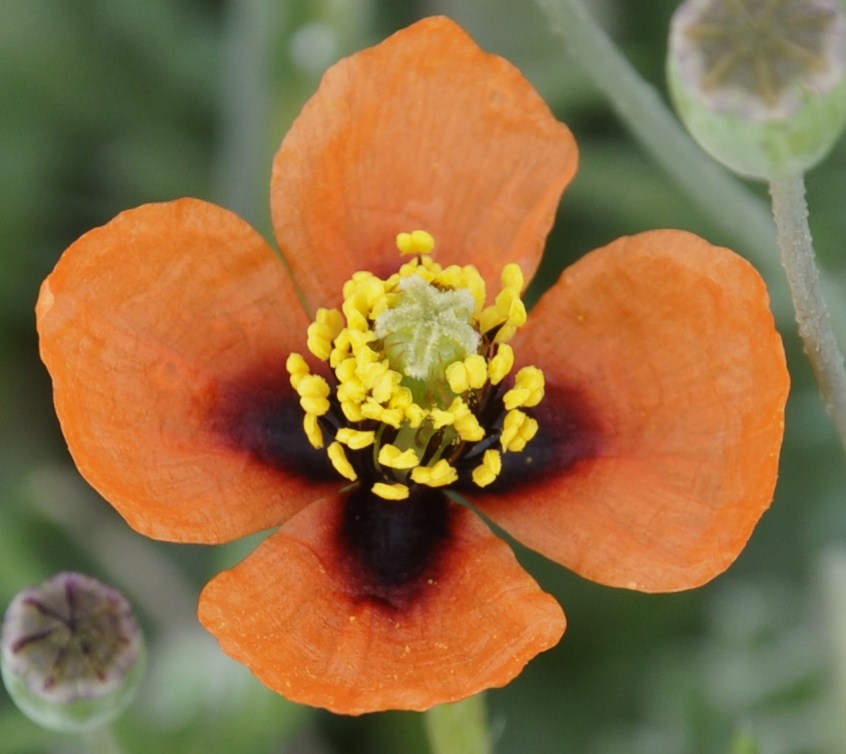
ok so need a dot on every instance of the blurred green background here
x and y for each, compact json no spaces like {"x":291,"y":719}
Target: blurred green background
{"x":107,"y":104}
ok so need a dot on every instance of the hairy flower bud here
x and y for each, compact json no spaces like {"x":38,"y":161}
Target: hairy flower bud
{"x":761,"y":84}
{"x":72,"y":652}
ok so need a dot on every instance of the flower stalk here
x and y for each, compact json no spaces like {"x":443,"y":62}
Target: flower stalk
{"x":790,"y":210}
{"x":727,"y":202}
{"x":460,"y":728}
{"x":102,"y":741}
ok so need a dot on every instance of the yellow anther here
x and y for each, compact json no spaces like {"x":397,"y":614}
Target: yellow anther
{"x":297,"y":368}
{"x":517,"y":315}
{"x":325,"y":328}
{"x":512,"y":277}
{"x":394,"y":458}
{"x":477,"y":370}
{"x":319,"y":340}
{"x":314,"y":392}
{"x":470,"y":373}
{"x":505,"y":333}
{"x":371,"y":372}
{"x":401,"y":397}
{"x":441,"y":417}
{"x":517,"y":430}
{"x":351,"y":391}
{"x":456,"y":376}
{"x":438,"y":475}
{"x":500,"y":365}
{"x":390,"y":491}
{"x":416,"y":242}
{"x":355,"y":438}
{"x":357,"y":279}
{"x":450,"y":277}
{"x":336,"y":454}
{"x":359,"y":339}
{"x":365,"y":357}
{"x":489,"y":318}
{"x":468,"y":427}
{"x":511,"y":307}
{"x":345,"y":370}
{"x":415,"y":414}
{"x":312,"y":429}
{"x":355,"y":319}
{"x":352,"y":411}
{"x":370,"y":409}
{"x":489,"y":469}
{"x":384,"y":388}
{"x":527,"y":391}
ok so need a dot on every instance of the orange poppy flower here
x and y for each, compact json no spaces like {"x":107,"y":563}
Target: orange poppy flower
{"x":635,"y":439}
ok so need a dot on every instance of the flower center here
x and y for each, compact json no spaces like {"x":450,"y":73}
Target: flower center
{"x":427,"y":329}
{"x":418,"y":364}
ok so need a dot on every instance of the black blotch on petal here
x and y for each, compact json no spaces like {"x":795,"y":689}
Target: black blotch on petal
{"x":393,"y":547}
{"x":262,"y":417}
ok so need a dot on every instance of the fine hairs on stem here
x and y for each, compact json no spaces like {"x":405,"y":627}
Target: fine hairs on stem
{"x":790,"y":210}
{"x":725,"y":200}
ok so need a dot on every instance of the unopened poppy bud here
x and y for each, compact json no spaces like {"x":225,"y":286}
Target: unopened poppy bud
{"x":761,"y":84}
{"x":72,"y":652}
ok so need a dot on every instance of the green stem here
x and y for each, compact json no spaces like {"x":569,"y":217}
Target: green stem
{"x":460,"y":728}
{"x":727,"y":201}
{"x":790,"y":210}
{"x":102,"y":741}
{"x":241,"y":167}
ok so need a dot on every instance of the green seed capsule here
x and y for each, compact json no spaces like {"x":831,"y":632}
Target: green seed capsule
{"x":761,"y":84}
{"x":72,"y":653}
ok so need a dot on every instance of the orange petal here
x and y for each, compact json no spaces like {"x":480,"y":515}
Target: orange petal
{"x":166,"y":333}
{"x":661,"y":431}
{"x":422,"y":131}
{"x":441,"y":611}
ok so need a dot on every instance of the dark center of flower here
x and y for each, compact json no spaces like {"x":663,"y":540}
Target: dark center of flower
{"x":418,"y":363}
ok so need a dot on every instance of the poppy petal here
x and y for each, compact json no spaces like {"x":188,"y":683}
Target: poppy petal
{"x":166,"y":333}
{"x":425,"y":130}
{"x":314,"y":626}
{"x":660,"y":436}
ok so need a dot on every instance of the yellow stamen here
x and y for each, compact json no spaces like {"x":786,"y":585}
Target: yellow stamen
{"x":297,"y":368}
{"x":527,"y":391}
{"x":500,"y":365}
{"x":439,"y":475}
{"x":489,"y":470}
{"x":314,"y":393}
{"x":411,"y":360}
{"x":517,"y":430}
{"x":339,"y":460}
{"x":456,"y":376}
{"x":394,"y":458}
{"x":472,"y":373}
{"x":416,"y":242}
{"x":512,"y":277}
{"x":355,"y":438}
{"x":390,"y":491}
{"x":323,"y":331}
{"x":312,"y":429}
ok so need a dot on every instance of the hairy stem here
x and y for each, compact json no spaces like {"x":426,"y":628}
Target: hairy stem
{"x":723,"y":198}
{"x":790,"y":210}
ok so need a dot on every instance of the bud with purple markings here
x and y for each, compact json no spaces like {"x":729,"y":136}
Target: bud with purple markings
{"x":72,"y":652}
